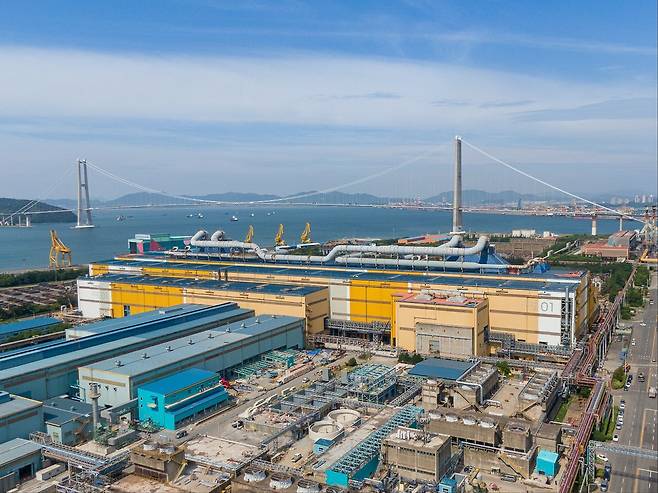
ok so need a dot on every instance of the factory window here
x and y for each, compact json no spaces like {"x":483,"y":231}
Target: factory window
{"x":126,"y":310}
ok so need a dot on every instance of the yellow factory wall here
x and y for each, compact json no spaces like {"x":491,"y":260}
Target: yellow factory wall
{"x":410,"y":314}
{"x":314,"y":307}
{"x":511,"y":311}
{"x":143,"y":297}
{"x":182,"y":273}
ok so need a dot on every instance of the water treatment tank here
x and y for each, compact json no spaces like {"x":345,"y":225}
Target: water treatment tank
{"x":451,"y":418}
{"x":254,"y":475}
{"x":469,"y":420}
{"x":326,"y":429}
{"x":280,"y":481}
{"x":149,"y":446}
{"x":306,"y":486}
{"x":487,"y":423}
{"x":345,"y":417}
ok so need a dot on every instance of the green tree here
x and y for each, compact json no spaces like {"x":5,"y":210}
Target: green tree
{"x":351,"y":362}
{"x":504,"y":368}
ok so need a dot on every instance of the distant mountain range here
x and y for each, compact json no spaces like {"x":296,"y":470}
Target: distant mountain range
{"x":9,"y":206}
{"x":469,"y":197}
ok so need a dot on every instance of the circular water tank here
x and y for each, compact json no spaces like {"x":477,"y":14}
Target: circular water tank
{"x":434,"y":415}
{"x":254,"y":475}
{"x":451,"y":418}
{"x":150,"y":446}
{"x":326,"y":429}
{"x":469,"y":420}
{"x":306,"y":486}
{"x":345,"y":417}
{"x":280,"y":481}
{"x":487,"y":423}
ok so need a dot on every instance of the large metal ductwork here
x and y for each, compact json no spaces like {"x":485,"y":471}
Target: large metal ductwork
{"x":457,"y":223}
{"x":359,"y":253}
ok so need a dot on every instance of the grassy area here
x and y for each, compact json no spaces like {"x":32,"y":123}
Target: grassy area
{"x":28,"y":334}
{"x":607,"y":427}
{"x":562,"y":412}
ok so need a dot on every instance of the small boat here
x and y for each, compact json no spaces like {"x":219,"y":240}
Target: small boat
{"x":190,"y":215}
{"x":269,"y":213}
{"x":199,"y":215}
{"x":252,"y":214}
{"x":121,"y":218}
{"x":234,"y":218}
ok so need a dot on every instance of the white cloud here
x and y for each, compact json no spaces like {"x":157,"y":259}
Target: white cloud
{"x":282,"y":90}
{"x":124,"y":99}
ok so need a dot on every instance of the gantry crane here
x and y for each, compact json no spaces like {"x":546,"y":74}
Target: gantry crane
{"x":250,"y":234}
{"x":278,"y":239}
{"x":306,"y":234}
{"x":60,"y":254}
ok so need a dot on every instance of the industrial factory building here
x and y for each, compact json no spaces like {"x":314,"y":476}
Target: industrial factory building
{"x":18,"y":417}
{"x":171,"y":401}
{"x":42,"y":372}
{"x":217,"y":350}
{"x":116,"y":295}
{"x":549,"y":309}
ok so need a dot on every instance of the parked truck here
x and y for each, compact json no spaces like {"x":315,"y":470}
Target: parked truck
{"x":652,"y":392}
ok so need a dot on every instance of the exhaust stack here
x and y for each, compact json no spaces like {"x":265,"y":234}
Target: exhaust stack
{"x":457,"y":226}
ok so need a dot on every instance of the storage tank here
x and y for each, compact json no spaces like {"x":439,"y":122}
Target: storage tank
{"x":306,"y":486}
{"x":149,"y":446}
{"x":451,"y":418}
{"x":280,"y":481}
{"x":469,"y":420}
{"x":487,"y":423}
{"x":254,"y":475}
{"x":326,"y":429}
{"x":345,"y":417}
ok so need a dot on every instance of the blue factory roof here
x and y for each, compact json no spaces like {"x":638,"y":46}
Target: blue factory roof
{"x":178,"y":381}
{"x":548,"y":456}
{"x":155,"y":324}
{"x":236,"y":286}
{"x":548,"y":281}
{"x":445,"y":369}
{"x":29,"y":324}
{"x":13,"y":404}
{"x":16,"y":449}
{"x":61,"y":410}
{"x":171,"y":352}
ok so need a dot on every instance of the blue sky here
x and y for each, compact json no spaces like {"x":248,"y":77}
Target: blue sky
{"x":208,"y":96}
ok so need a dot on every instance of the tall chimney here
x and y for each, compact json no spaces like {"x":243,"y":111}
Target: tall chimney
{"x":457,"y":226}
{"x":94,"y":395}
{"x":594,"y":228}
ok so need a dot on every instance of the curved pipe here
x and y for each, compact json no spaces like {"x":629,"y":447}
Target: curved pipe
{"x":449,"y":248}
{"x":435,"y":264}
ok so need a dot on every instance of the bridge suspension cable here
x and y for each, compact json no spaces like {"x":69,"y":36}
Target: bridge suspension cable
{"x":545,"y":183}
{"x":358,"y":181}
{"x":32,"y":203}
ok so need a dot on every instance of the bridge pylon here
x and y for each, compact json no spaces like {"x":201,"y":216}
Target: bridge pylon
{"x":84,"y":208}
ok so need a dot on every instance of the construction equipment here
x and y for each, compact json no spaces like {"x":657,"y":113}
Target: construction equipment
{"x":250,"y":234}
{"x":306,"y":234}
{"x":278,"y":239}
{"x":60,"y":254}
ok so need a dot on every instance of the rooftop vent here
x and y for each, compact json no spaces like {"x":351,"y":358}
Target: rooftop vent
{"x":190,"y":342}
{"x":169,"y":348}
{"x":118,"y":363}
{"x":145,"y":356}
{"x":210,"y":335}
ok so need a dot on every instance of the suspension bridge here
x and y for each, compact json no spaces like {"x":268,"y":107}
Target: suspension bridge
{"x":588,"y":208}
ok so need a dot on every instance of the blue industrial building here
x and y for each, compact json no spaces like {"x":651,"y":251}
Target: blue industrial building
{"x":547,"y":463}
{"x":219,"y":350}
{"x":20,"y":459}
{"x":68,"y":421}
{"x":47,"y":371}
{"x":179,"y":398}
{"x":18,"y":417}
{"x":39,"y":323}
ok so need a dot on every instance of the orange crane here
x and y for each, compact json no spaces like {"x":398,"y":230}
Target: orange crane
{"x":278,"y":239}
{"x":60,"y":254}
{"x":306,"y":234}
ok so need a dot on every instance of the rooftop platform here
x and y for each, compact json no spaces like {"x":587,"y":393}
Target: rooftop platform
{"x":13,"y":404}
{"x":431,"y":299}
{"x":180,"y":380}
{"x":552,"y":280}
{"x":443,"y":369}
{"x":242,"y":287}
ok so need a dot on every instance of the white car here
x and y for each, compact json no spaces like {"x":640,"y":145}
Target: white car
{"x":633,"y":342}
{"x":615,"y":438}
{"x":643,"y":324}
{"x":601,"y":457}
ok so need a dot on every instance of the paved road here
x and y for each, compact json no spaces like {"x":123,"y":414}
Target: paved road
{"x":629,"y":473}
